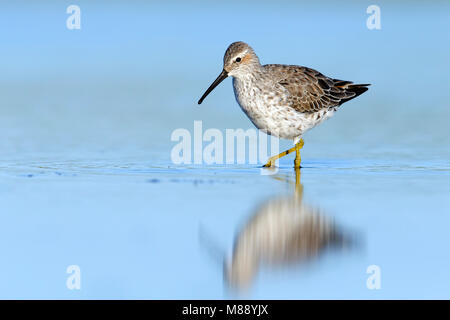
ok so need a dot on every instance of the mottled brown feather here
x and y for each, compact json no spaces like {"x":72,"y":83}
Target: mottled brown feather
{"x":310,"y":91}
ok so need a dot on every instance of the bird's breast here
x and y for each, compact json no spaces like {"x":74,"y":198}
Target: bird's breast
{"x":265,"y":106}
{"x":256,"y":100}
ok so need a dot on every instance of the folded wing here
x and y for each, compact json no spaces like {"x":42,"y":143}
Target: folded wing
{"x":310,"y":91}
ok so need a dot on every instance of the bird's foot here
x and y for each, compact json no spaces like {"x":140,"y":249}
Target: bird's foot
{"x":268,"y":164}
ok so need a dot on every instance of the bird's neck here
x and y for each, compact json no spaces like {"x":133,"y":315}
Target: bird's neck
{"x":250,"y":73}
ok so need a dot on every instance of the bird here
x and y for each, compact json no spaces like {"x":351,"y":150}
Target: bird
{"x":281,"y":100}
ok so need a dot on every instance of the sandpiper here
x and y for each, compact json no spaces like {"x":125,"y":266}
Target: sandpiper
{"x":282,"y":100}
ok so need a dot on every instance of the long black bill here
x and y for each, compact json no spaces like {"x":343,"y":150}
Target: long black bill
{"x":223,"y":75}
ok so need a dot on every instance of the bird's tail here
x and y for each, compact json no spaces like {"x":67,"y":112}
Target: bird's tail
{"x":357,"y":89}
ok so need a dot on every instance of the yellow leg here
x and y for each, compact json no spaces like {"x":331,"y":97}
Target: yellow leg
{"x":272,"y":160}
{"x":298,"y":158}
{"x":296,"y":148}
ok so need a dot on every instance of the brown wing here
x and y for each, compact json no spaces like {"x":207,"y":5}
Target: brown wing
{"x":310,"y":91}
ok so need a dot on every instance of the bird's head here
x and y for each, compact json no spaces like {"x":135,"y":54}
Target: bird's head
{"x":239,"y":60}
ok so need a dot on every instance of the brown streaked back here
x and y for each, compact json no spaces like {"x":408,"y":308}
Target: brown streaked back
{"x":310,"y":91}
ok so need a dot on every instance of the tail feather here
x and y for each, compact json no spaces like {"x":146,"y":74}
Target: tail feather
{"x":357,"y":89}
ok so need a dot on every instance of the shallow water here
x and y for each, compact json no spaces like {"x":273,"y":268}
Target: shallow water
{"x":86,"y":176}
{"x":139,"y":230}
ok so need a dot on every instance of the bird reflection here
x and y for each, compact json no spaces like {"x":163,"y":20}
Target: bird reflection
{"x":283,"y":231}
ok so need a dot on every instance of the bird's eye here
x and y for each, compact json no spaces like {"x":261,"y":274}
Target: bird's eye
{"x":238,"y":59}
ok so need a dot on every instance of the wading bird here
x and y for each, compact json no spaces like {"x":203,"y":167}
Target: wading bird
{"x":282,"y":100}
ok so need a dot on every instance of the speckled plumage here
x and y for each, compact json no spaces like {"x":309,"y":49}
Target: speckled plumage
{"x":283,"y":100}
